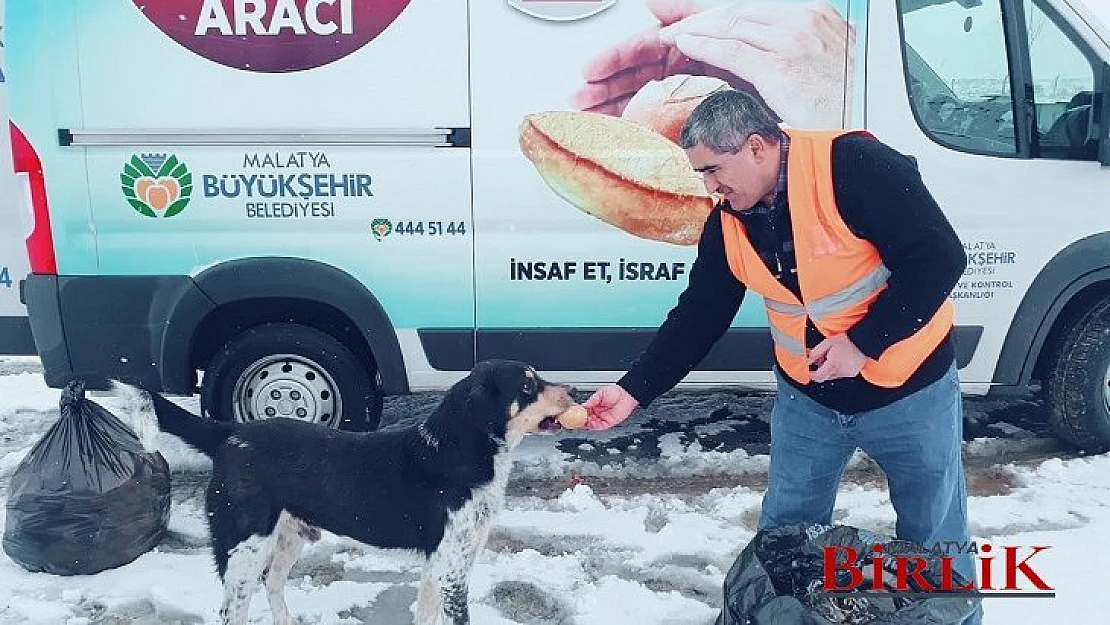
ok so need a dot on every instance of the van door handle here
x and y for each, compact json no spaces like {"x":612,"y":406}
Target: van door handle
{"x":381,"y":137}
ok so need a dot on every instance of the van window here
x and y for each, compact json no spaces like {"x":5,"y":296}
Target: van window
{"x":958,"y":74}
{"x":1063,"y":90}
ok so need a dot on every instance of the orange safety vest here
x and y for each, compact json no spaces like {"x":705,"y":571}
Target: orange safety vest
{"x":839,"y":274}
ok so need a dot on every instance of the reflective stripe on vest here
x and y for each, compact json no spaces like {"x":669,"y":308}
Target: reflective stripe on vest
{"x":851,"y":295}
{"x":786,"y":341}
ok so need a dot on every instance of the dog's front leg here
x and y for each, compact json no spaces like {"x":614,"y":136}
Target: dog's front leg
{"x":454,"y":586}
{"x":428,"y":604}
{"x":445,"y":584}
{"x":455,"y":606}
{"x":442,"y":600}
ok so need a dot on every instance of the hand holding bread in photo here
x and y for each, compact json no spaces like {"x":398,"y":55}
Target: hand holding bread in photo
{"x":574,"y":418}
{"x":619,"y":171}
{"x":664,"y":105}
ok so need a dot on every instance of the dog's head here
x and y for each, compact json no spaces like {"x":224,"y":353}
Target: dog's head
{"x":509,"y":400}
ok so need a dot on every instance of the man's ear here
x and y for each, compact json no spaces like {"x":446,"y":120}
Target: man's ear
{"x":758,"y":146}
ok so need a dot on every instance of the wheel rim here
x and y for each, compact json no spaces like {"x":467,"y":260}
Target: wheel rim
{"x":1106,"y":387}
{"x":289,"y":386}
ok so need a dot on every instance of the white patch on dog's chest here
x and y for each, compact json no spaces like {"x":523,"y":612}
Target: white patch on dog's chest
{"x":487,"y":500}
{"x":484,"y":502}
{"x":468,"y":527}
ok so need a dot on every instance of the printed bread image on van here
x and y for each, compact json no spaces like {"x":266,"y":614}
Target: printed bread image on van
{"x":619,"y":171}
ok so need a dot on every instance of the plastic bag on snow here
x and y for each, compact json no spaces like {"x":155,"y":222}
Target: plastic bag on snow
{"x":88,"y":496}
{"x":778,"y":580}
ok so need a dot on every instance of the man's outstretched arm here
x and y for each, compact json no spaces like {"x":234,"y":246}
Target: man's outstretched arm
{"x":705,"y":309}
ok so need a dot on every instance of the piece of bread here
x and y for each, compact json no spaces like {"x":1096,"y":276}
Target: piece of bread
{"x":619,"y":171}
{"x":574,"y":418}
{"x":664,"y":105}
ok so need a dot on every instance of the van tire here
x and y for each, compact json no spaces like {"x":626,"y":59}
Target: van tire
{"x":1079,"y":384}
{"x":305,"y":363}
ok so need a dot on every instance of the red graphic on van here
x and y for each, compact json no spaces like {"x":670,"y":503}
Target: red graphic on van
{"x":272,"y":35}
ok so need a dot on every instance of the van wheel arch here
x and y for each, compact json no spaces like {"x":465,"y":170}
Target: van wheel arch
{"x":1058,"y":339}
{"x":1078,"y":383}
{"x":253,"y":291}
{"x":1092,"y":295}
{"x":229,"y":320}
{"x":1067,"y":287}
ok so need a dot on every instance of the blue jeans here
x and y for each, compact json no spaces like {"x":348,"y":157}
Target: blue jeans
{"x":916,"y":441}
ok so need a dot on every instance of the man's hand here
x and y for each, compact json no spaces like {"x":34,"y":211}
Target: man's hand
{"x":794,"y":55}
{"x":837,"y":357}
{"x":615,"y":75}
{"x":609,"y":406}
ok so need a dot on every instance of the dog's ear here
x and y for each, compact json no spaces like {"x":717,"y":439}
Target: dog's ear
{"x":488,"y":406}
{"x":482,"y":395}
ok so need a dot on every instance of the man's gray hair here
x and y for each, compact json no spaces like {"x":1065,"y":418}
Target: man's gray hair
{"x":723,"y":122}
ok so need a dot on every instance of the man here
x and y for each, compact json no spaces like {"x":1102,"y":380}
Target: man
{"x":855,"y":261}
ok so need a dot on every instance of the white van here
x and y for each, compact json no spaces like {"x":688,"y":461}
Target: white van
{"x":297,"y":207}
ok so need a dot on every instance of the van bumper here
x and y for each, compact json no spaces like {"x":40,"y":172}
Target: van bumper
{"x":98,"y":328}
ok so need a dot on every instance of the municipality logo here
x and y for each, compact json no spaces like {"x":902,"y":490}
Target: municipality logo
{"x":156,"y":185}
{"x":381,"y":227}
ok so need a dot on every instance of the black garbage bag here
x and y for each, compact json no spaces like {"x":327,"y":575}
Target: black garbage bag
{"x":88,"y":496}
{"x":779,"y":579}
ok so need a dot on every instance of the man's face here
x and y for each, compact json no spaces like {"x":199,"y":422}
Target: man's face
{"x":743,"y":178}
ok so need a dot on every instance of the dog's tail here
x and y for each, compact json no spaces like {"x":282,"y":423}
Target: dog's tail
{"x":149,"y":413}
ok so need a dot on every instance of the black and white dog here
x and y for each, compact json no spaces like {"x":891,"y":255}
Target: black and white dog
{"x":432,"y":487}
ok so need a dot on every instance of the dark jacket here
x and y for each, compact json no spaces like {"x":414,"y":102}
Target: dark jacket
{"x":883,"y":199}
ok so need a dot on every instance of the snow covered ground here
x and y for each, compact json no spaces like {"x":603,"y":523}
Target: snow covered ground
{"x":637,"y":525}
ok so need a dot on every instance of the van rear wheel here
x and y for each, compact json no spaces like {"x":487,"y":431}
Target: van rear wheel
{"x":1079,"y":384}
{"x":292,"y":371}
